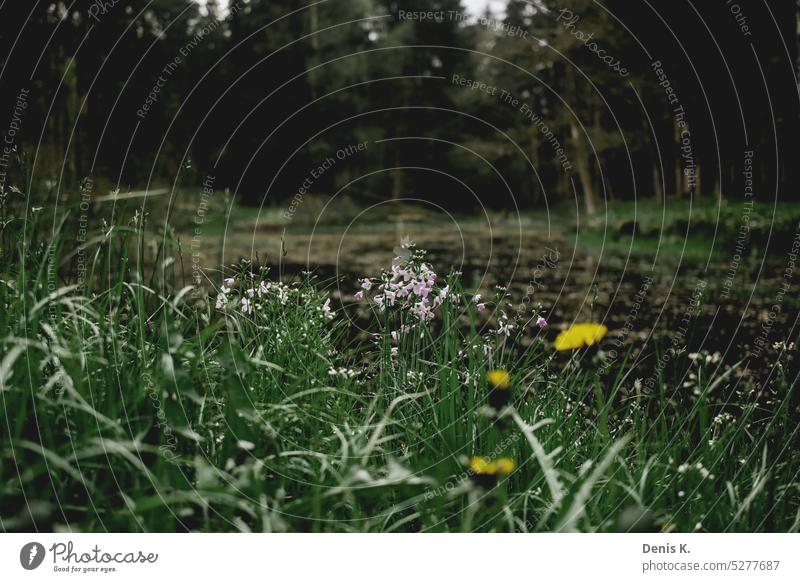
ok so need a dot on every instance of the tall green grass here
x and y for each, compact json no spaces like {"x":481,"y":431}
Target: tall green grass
{"x":130,"y":403}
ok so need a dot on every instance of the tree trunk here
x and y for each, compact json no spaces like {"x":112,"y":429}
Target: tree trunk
{"x":582,"y":166}
{"x":680,"y":188}
{"x":657,"y":187}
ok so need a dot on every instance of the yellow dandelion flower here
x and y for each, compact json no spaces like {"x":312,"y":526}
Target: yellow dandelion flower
{"x":482,"y":466}
{"x":580,"y":335}
{"x":499,"y":379}
{"x":505,"y":465}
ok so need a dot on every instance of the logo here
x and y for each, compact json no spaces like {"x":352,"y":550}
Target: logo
{"x":31,"y":555}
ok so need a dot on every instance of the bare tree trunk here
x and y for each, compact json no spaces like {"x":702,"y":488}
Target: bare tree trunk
{"x":657,"y":186}
{"x":581,"y":154}
{"x":582,"y":166}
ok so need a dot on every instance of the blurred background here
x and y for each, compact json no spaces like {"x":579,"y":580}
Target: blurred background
{"x":266,"y":90}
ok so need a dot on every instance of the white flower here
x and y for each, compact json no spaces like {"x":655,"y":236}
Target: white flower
{"x":222,"y":300}
{"x":245,"y":445}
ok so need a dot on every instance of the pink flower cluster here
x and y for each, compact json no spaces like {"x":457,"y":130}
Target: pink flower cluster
{"x":410,"y":286}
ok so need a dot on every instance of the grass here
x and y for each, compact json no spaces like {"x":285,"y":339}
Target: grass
{"x":131,"y":403}
{"x":693,"y":230}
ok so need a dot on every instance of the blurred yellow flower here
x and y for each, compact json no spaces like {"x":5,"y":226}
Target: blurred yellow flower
{"x":580,"y":335}
{"x":485,"y":466}
{"x":499,"y":379}
{"x":505,"y":465}
{"x":482,"y":466}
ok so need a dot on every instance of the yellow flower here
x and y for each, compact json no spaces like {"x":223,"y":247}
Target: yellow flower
{"x":485,"y":466}
{"x":505,"y":465}
{"x":482,"y":466}
{"x":499,"y":379}
{"x":580,"y":335}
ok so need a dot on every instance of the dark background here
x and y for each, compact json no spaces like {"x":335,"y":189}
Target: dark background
{"x":273,"y":88}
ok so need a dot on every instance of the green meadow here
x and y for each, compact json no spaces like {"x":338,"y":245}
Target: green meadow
{"x":137,"y":397}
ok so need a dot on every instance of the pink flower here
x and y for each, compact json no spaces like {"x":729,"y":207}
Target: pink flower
{"x":480,"y":307}
{"x":366,"y":284}
{"x":359,"y":296}
{"x":327,"y":306}
{"x":230,"y":282}
{"x":541,"y":322}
